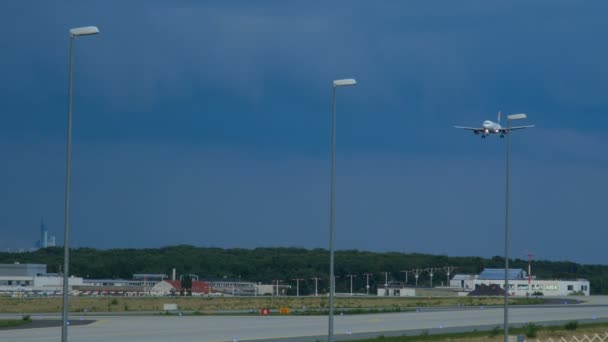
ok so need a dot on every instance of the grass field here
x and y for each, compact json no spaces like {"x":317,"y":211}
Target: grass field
{"x":4,"y":323}
{"x":206,"y":304}
{"x":532,"y":332}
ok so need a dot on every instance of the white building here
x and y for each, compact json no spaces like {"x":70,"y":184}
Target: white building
{"x":396,"y":291}
{"x":520,"y":284}
{"x":32,"y":279}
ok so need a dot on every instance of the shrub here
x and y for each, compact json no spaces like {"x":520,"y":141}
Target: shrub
{"x":495,"y":332}
{"x":572,"y":325}
{"x":25,"y":317}
{"x":530,"y":329}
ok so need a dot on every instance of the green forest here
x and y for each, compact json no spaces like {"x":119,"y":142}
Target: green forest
{"x":286,"y":264}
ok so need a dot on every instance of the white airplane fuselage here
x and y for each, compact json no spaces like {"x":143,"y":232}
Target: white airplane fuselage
{"x":491,"y":127}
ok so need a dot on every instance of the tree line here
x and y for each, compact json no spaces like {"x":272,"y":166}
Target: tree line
{"x":265,"y":265}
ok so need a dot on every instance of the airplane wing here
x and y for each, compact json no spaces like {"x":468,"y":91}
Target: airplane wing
{"x":504,"y":130}
{"x":474,"y":129}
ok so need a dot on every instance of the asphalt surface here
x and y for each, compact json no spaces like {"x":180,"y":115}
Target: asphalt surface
{"x":304,"y":328}
{"x":47,"y":323}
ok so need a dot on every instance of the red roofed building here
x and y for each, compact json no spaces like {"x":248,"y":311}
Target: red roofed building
{"x":174,"y":287}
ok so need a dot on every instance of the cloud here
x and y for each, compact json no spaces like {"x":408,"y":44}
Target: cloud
{"x":133,"y":195}
{"x":210,"y":117}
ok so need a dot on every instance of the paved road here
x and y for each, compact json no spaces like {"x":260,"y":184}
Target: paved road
{"x":225,"y":328}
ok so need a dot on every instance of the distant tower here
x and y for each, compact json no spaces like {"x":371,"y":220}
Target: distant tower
{"x":44,"y":234}
{"x":530,"y":269}
{"x":45,"y":240}
{"x":530,"y":255}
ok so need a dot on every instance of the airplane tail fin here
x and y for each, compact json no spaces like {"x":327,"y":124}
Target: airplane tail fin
{"x":498,"y":117}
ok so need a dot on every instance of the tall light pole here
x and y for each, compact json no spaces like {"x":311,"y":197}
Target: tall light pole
{"x":416,"y":272}
{"x":75,"y":32}
{"x":297,"y":286}
{"x":277,"y":287}
{"x":448,"y":270}
{"x":507,"y":209}
{"x":367,"y":283}
{"x":332,"y":281}
{"x":431,"y":272}
{"x":406,"y":272}
{"x":351,"y":282}
{"x":316,"y":279}
{"x":386,"y":280}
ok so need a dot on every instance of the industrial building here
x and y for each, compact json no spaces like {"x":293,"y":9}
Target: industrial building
{"x":25,"y":279}
{"x":174,"y":287}
{"x":398,"y":289}
{"x":521,"y":284}
{"x":33,"y":280}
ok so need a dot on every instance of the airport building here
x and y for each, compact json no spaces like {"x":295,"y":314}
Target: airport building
{"x":491,"y":282}
{"x":33,"y":280}
{"x":398,"y":289}
{"x":24,"y":279}
{"x":174,"y":287}
{"x":520,"y":284}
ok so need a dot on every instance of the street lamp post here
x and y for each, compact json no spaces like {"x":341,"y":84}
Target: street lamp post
{"x":416,"y":272}
{"x":351,"y":282}
{"x":297,"y":286}
{"x":406,"y":272}
{"x":507,"y":209}
{"x":367,"y":283}
{"x":316,"y":279}
{"x":75,"y":32}
{"x":332,"y":281}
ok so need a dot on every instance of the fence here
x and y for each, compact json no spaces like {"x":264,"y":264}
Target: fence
{"x":584,"y":338}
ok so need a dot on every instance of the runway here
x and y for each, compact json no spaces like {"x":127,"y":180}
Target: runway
{"x":307,"y":328}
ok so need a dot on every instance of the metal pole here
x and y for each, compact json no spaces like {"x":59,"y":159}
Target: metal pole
{"x":405,"y":277}
{"x":351,"y":283}
{"x":332,"y":284}
{"x":68,"y":173}
{"x":506,"y":323}
{"x":297,"y":286}
{"x":316,"y":279}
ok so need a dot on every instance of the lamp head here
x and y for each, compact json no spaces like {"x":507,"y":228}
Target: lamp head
{"x":344,"y":82}
{"x":84,"y":31}
{"x":517,"y":116}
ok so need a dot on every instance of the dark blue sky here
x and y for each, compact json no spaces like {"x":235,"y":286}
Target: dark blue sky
{"x":208,"y":123}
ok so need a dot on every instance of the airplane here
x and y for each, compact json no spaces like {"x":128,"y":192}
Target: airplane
{"x":490,"y":127}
